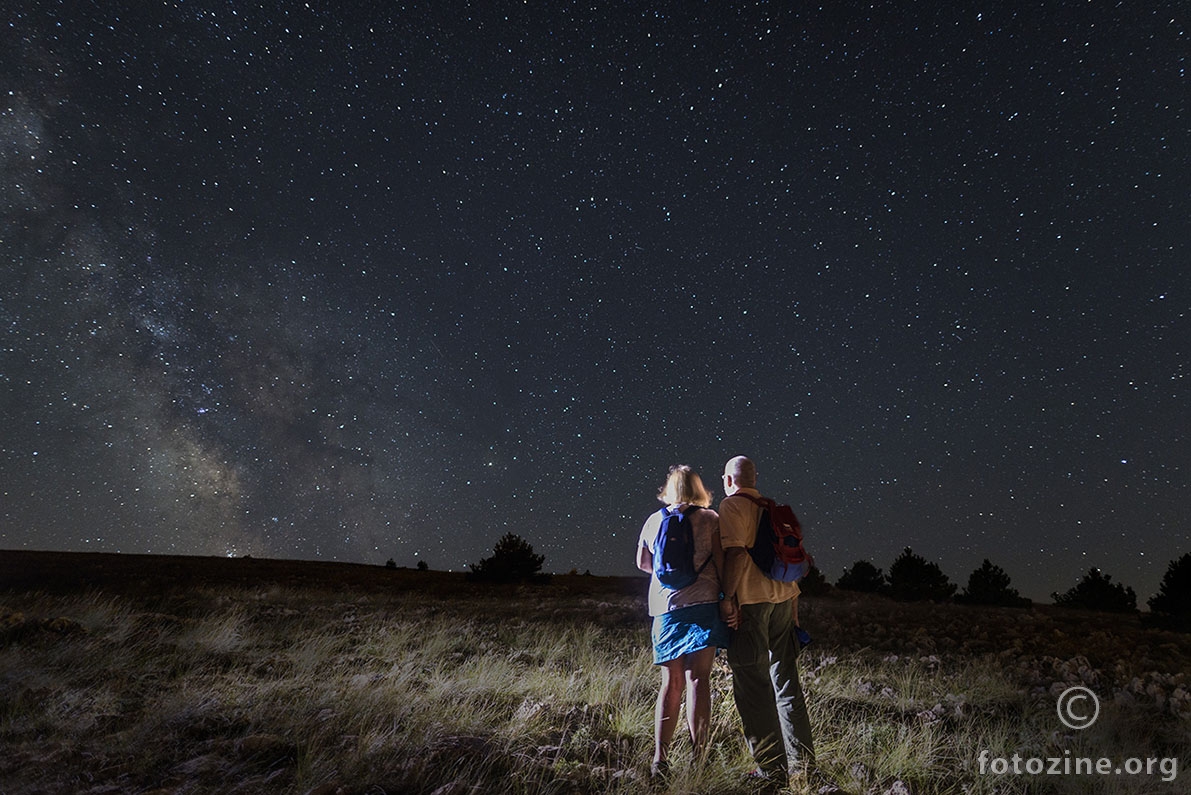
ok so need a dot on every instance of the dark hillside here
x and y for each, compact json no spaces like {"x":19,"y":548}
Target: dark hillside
{"x":68,"y":572}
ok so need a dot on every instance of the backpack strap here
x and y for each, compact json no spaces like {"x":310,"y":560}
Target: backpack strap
{"x":764,"y":503}
{"x":666,"y":512}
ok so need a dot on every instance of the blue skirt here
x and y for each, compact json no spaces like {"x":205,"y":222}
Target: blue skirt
{"x":686,"y":630}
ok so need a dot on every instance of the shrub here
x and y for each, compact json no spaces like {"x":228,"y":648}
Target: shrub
{"x":512,"y":559}
{"x":864,"y":577}
{"x":390,"y":564}
{"x":1097,"y":591}
{"x":423,"y":566}
{"x":913,"y":579}
{"x":1171,"y":606}
{"x":989,"y":585}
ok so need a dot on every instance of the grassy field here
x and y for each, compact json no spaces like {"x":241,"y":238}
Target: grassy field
{"x":188,"y":675}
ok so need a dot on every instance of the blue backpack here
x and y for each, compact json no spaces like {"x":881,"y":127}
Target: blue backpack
{"x":674,"y":550}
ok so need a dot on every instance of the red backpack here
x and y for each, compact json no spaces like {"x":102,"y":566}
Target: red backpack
{"x":778,"y":550}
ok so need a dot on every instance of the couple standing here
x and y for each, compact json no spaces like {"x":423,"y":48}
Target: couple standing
{"x":733,"y":605}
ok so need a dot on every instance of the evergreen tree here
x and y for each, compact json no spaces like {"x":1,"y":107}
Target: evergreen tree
{"x":913,"y":579}
{"x":863,"y":577}
{"x":1097,"y":591}
{"x":1171,"y":606}
{"x":989,"y":585}
{"x":814,"y":583}
{"x":512,"y":559}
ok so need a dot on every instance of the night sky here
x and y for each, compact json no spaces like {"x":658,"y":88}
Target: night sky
{"x":360,"y":281}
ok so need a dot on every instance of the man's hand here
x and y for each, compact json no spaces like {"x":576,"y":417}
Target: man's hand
{"x":730,"y":612}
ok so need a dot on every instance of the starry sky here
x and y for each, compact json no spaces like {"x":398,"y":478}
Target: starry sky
{"x":359,"y":281}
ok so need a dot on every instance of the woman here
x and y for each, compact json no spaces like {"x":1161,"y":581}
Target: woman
{"x":687,"y":628}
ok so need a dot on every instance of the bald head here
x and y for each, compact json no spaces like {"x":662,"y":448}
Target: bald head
{"x":740,"y":473}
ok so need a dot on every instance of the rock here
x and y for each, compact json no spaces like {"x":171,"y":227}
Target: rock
{"x":64,"y":626}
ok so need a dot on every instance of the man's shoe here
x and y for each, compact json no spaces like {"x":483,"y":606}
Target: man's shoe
{"x":819,"y":784}
{"x":767,"y":781}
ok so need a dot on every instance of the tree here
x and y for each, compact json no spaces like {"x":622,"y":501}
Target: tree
{"x":423,"y":566}
{"x":512,"y":559}
{"x":814,"y":583}
{"x":1097,"y":591}
{"x":989,"y":585}
{"x":863,"y":577}
{"x":913,"y":579}
{"x":1171,"y":606}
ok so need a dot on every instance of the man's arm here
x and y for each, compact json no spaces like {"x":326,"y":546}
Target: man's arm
{"x":733,"y":531}
{"x":717,"y":555}
{"x":735,"y":559}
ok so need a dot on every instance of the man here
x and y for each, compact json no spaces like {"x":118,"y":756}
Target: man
{"x":763,"y":653}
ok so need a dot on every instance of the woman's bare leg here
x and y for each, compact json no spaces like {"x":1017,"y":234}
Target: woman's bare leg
{"x":665,"y":714}
{"x":697,"y":667}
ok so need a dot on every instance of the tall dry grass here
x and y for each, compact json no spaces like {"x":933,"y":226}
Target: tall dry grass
{"x":524,"y":691}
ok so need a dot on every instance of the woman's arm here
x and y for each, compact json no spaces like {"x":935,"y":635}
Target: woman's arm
{"x":644,"y":559}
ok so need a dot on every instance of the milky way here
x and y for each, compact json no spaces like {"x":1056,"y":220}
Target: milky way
{"x":388,"y":281}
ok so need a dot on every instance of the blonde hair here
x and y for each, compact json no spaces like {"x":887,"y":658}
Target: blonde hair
{"x":684,"y":486}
